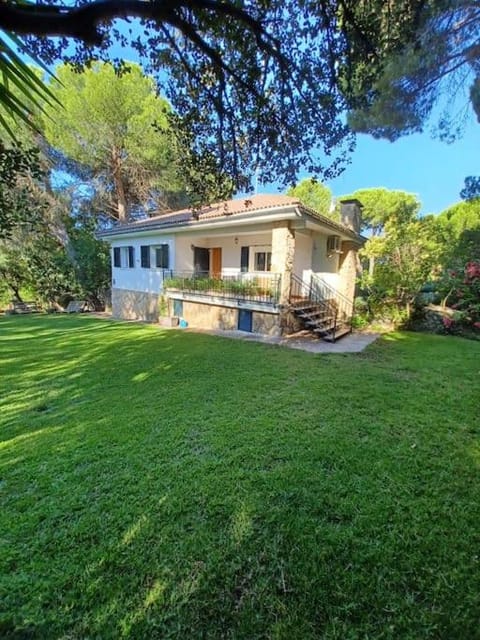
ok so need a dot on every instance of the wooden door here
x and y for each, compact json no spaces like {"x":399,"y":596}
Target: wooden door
{"x":216,"y":262}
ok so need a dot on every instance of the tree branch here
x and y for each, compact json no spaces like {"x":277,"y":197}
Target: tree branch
{"x":83,"y":22}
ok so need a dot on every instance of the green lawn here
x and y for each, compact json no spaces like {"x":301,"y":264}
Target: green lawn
{"x":160,"y":484}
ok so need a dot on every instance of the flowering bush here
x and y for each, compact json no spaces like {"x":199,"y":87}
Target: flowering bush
{"x":461,"y":289}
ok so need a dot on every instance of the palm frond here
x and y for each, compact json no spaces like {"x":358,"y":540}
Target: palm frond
{"x":22,"y":92}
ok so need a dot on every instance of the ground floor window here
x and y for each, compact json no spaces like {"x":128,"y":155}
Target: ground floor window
{"x":155,"y":256}
{"x":124,"y":257}
{"x":262,"y":261}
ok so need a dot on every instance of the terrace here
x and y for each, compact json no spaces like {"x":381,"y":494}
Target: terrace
{"x":242,"y":288}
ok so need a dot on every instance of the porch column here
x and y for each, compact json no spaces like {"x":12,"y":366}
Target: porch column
{"x":348,"y":268}
{"x":283,"y":253}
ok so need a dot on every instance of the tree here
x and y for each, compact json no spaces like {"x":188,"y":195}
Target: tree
{"x":107,"y":126}
{"x":261,"y":85}
{"x":19,"y":169}
{"x":255,"y":83}
{"x":382,"y":206}
{"x":459,"y":227}
{"x":433,"y":60}
{"x":313,"y":194}
{"x":402,"y":250}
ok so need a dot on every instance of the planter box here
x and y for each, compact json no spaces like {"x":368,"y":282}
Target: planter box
{"x":168,"y":321}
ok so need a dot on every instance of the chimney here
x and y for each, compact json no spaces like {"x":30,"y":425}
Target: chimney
{"x":351,"y":214}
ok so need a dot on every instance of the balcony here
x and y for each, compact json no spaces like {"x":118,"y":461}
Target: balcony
{"x":248,"y":288}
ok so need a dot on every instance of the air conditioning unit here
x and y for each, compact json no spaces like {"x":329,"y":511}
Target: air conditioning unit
{"x":333,"y":244}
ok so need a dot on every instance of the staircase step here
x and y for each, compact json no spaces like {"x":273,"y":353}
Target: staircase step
{"x":315,"y":314}
{"x":329,"y":336}
{"x":322,"y":324}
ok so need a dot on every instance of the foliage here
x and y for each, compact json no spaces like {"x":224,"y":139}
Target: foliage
{"x":471,"y":190}
{"x":459,"y":227}
{"x":107,"y":126}
{"x":212,"y":508}
{"x":19,"y":168}
{"x":22,"y":91}
{"x":381,"y":206}
{"x":256,"y":84}
{"x":227,"y":286}
{"x":402,"y":252}
{"x":313,"y":194}
{"x":461,"y":290}
{"x":433,"y":58}
{"x":261,"y":85}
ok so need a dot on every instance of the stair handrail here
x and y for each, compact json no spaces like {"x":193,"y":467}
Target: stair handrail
{"x":335,"y":292}
{"x":322,"y":294}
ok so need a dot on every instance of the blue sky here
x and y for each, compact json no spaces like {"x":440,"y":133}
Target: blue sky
{"x":419,"y":164}
{"x":433,"y":170}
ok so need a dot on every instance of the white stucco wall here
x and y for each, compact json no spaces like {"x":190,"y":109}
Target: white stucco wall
{"x":326,"y":267}
{"x":138,"y":278}
{"x":302,"y":264}
{"x":310,"y":256}
{"x":230,"y":245}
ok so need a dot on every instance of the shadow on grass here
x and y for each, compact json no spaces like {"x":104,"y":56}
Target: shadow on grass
{"x":170,"y":485}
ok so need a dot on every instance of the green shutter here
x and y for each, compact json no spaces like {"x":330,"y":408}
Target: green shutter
{"x":145,"y":256}
{"x":244,"y":255}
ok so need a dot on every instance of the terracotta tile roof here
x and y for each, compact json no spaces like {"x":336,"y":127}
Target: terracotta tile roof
{"x":227,"y":208}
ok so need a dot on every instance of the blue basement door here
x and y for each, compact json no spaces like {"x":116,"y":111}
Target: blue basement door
{"x":245,"y":320}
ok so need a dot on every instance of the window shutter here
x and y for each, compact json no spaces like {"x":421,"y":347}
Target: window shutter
{"x":244,"y":255}
{"x":116,"y":257}
{"x":145,"y":256}
{"x":131,"y":257}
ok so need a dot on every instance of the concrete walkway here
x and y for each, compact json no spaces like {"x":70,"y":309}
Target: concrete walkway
{"x":352,"y":343}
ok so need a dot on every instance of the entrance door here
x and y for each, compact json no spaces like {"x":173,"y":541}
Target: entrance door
{"x":216,"y":263}
{"x":201,"y":261}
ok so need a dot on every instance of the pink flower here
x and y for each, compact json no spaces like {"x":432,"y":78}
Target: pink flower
{"x":472,"y":270}
{"x":476,"y":325}
{"x":447,"y":322}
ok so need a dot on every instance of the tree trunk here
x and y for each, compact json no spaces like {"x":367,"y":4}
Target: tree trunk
{"x":119,"y":186}
{"x":56,"y":224}
{"x":371,"y":266}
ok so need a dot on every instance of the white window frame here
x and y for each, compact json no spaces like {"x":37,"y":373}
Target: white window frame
{"x":266,"y":249}
{"x":124,"y":257}
{"x":153,"y":255}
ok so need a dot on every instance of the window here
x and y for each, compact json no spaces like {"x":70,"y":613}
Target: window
{"x":244,"y":257}
{"x":124,"y":257}
{"x":161,"y":256}
{"x":263,"y":261}
{"x":154,"y":256}
{"x":145,"y":257}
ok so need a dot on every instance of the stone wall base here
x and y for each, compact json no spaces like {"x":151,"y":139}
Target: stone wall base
{"x":135,"y":305}
{"x":210,"y":316}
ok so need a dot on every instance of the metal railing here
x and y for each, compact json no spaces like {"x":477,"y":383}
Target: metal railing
{"x":320,"y":293}
{"x":247,"y":287}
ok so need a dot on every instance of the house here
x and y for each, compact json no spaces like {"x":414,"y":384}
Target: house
{"x":265,"y":263}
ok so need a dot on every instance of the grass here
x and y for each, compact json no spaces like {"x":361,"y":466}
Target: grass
{"x":160,"y":484}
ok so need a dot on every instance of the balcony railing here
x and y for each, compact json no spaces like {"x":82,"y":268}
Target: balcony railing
{"x":247,"y":287}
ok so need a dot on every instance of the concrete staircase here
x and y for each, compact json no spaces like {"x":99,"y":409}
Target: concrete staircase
{"x":321,"y":309}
